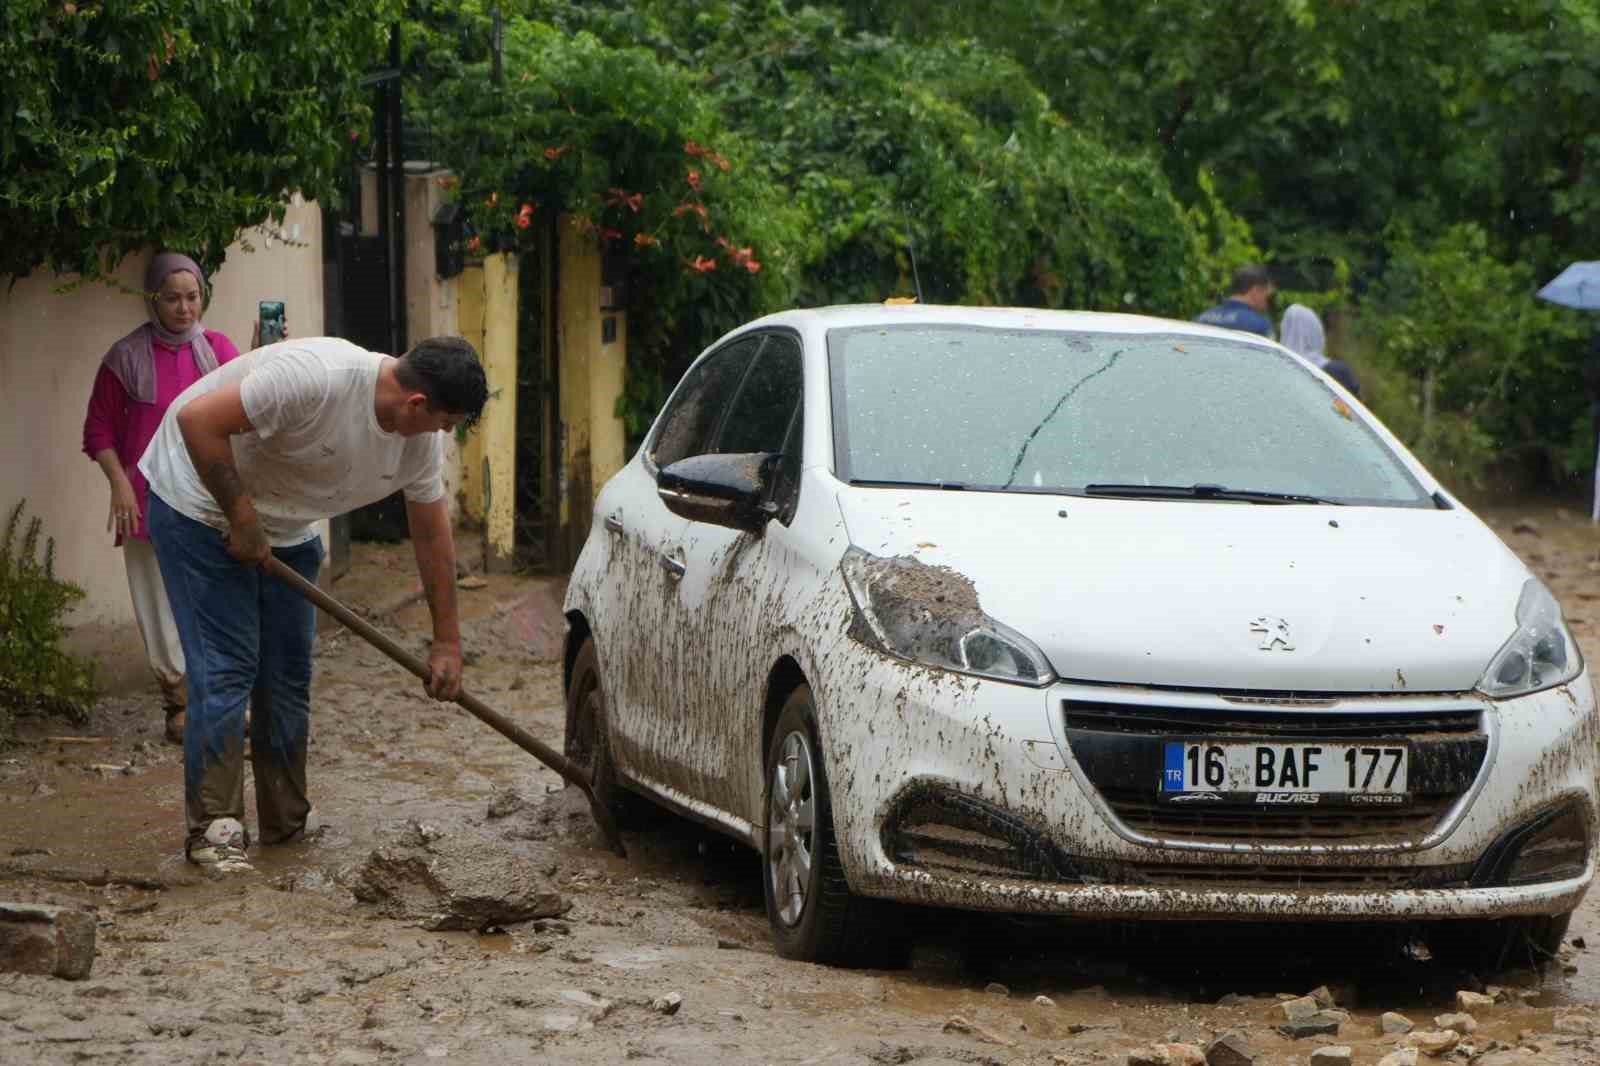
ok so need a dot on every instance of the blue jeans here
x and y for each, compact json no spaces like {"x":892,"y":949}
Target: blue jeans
{"x":247,"y":641}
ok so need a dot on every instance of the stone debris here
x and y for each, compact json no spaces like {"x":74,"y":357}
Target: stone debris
{"x":1434,"y":1042}
{"x":958,"y":1024}
{"x":1406,"y":1056}
{"x":995,"y":988}
{"x":1230,"y":1049}
{"x":1167,"y":1055}
{"x":1392,"y":1023}
{"x":1313,"y":1026}
{"x":1465,"y":1024}
{"x":463,"y":882}
{"x":1324,"y":996}
{"x":1043,"y":1001}
{"x":504,"y":803}
{"x":1333,"y":1055}
{"x":52,"y":941}
{"x":1526,"y":526}
{"x":667,"y":1004}
{"x":1576,"y":1025}
{"x":1299,"y":1009}
{"x":1468,"y":1002}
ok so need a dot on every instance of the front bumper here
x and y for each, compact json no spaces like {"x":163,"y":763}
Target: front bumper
{"x":955,"y":791}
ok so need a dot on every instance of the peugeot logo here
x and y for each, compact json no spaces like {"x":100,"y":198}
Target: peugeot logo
{"x":1274,"y":633}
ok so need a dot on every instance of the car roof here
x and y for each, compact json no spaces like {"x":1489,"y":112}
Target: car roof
{"x":853,"y":315}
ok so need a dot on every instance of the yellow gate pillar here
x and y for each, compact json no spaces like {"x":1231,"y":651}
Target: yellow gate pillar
{"x":469,"y":290}
{"x":592,"y":347}
{"x":498,"y":426}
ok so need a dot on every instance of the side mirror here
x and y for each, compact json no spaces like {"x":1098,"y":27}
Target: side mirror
{"x":724,"y":490}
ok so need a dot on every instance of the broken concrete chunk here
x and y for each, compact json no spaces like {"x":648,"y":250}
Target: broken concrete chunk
{"x":1323,"y":995}
{"x":1433,"y":1042}
{"x":1468,"y":1002}
{"x":1167,"y":1055}
{"x":667,"y":1004}
{"x":1299,"y":1009}
{"x":1333,"y":1055}
{"x":52,"y":941}
{"x":995,"y":988}
{"x":958,"y":1024}
{"x":1230,"y":1049}
{"x":1392,"y":1023}
{"x":466,"y":882}
{"x":1043,"y":1001}
{"x":1313,"y":1026}
{"x":1458,"y":1023}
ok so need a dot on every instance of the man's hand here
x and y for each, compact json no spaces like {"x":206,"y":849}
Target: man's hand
{"x":444,"y":670}
{"x":246,"y":542}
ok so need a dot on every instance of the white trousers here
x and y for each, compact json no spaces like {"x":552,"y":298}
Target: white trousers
{"x":150,"y":607}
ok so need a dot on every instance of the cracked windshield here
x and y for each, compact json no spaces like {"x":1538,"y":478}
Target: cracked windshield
{"x":1033,"y":410}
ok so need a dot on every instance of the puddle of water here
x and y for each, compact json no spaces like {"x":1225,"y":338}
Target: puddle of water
{"x":640,"y":959}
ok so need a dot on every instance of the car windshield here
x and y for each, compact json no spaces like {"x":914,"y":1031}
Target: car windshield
{"x":1082,"y":412}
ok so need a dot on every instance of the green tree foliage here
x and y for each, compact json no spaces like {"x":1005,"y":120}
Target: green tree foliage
{"x":1448,"y":318}
{"x":748,"y":156}
{"x":35,"y":673}
{"x":173,"y":122}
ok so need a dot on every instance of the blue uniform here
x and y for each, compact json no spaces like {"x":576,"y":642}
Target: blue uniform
{"x":1236,"y":314}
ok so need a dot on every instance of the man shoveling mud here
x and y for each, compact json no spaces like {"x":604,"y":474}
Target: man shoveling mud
{"x":245,"y":461}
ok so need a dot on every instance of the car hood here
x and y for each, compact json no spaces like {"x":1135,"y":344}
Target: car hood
{"x":1218,"y":595}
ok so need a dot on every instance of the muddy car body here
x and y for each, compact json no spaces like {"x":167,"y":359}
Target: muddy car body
{"x":1073,"y":614}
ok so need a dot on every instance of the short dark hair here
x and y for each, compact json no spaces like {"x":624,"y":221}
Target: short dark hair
{"x":446,"y":370}
{"x":1248,"y":277}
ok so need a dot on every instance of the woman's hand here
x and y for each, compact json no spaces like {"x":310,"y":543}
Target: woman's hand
{"x":125,"y":516}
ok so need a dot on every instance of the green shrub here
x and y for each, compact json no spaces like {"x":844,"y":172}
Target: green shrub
{"x":35,"y":673}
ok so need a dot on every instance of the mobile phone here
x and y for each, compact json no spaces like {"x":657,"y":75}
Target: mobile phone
{"x":272,"y":321}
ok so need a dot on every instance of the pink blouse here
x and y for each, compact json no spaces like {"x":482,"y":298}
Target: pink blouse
{"x":117,"y":422}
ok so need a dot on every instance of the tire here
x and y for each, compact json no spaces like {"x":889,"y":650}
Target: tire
{"x":812,"y":912}
{"x":585,"y":742}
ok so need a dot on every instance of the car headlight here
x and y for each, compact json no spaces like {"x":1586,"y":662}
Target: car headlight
{"x":1539,"y":655}
{"x":930,"y":615}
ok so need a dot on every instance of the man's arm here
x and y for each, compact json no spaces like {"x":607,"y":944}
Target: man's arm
{"x":206,"y":423}
{"x":436,"y":563}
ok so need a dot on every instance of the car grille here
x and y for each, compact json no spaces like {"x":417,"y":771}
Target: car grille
{"x":1118,"y":747}
{"x":1347,"y":878}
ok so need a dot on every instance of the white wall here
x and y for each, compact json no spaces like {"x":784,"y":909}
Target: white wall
{"x":51,"y":344}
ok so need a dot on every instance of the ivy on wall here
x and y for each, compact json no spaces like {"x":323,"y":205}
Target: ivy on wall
{"x":175,"y":122}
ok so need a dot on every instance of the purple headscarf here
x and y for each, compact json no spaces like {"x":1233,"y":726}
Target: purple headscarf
{"x":131,"y":358}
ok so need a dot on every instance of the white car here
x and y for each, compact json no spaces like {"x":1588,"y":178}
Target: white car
{"x":1074,"y":614}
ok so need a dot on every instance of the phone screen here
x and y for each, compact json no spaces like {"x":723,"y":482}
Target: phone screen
{"x":272,"y":321}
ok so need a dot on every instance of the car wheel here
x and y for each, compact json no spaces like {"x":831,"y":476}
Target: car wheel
{"x":813,"y":914}
{"x":585,"y":742}
{"x":1492,"y":945}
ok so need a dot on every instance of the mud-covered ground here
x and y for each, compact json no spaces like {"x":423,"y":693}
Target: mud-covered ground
{"x":287,"y":965}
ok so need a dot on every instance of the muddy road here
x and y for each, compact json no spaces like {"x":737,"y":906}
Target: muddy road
{"x":363,"y":945}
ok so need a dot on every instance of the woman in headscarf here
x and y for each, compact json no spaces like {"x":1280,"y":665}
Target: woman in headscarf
{"x":1301,"y":332}
{"x":139,"y":378}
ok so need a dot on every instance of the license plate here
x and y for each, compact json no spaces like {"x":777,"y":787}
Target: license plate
{"x":1305,"y":772}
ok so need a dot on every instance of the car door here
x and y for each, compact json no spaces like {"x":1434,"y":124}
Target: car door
{"x":652,"y":565}
{"x":718,"y":639}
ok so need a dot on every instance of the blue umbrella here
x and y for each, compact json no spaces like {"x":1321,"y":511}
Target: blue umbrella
{"x":1577,"y":286}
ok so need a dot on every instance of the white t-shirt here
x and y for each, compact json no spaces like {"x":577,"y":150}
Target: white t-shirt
{"x":317,"y":449}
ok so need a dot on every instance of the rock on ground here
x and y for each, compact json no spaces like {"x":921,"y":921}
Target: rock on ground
{"x":1167,"y":1055}
{"x":53,"y":941}
{"x":462,"y":881}
{"x":1335,"y":1055}
{"x":1230,"y":1049}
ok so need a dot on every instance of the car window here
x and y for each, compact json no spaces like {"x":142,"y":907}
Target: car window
{"x":696,"y":409}
{"x":1030,"y":410}
{"x":759,"y":419}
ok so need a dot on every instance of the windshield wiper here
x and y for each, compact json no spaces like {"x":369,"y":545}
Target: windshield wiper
{"x":873,"y":483}
{"x":1200,"y":492}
